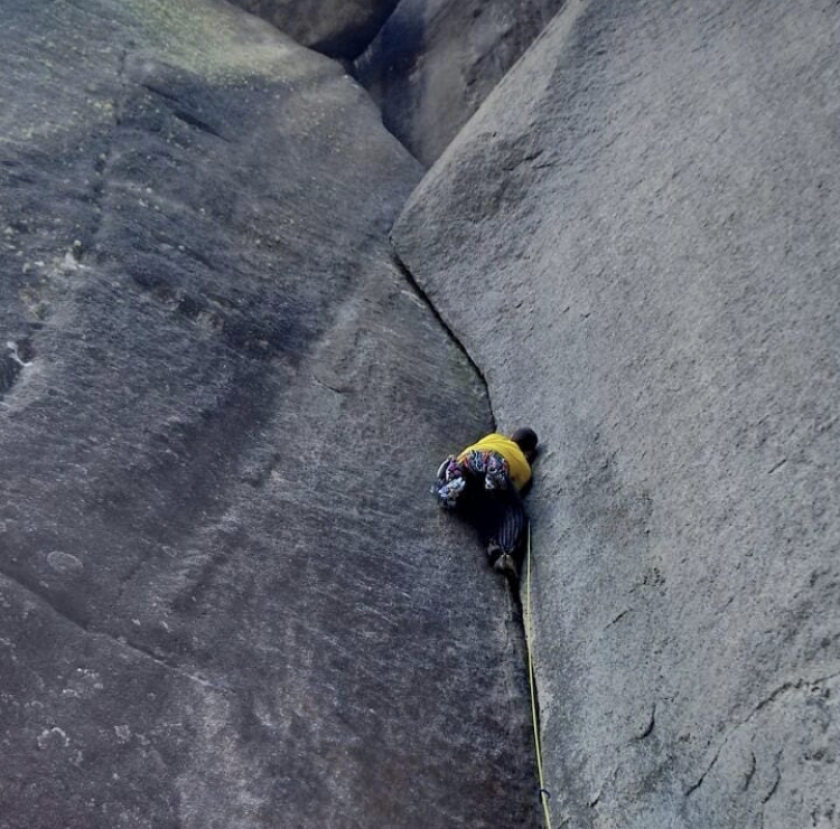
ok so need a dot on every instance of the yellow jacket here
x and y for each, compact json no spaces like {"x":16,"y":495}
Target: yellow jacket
{"x":520,"y":469}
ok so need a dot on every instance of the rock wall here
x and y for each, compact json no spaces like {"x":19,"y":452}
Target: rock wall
{"x":338,"y":28}
{"x":636,"y":239}
{"x":227,"y":598}
{"x":435,"y":61}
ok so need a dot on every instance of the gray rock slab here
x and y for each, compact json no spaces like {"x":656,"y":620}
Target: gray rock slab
{"x":338,"y":28}
{"x":636,"y":238}
{"x":435,"y":61}
{"x":227,"y":598}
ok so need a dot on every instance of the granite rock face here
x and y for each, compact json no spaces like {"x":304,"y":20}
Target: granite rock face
{"x":227,"y":598}
{"x":338,"y":28}
{"x":435,"y":61}
{"x":636,"y":238}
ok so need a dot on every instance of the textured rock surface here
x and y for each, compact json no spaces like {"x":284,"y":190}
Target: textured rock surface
{"x":435,"y":61}
{"x":636,"y":238}
{"x":339,"y":28}
{"x":226,"y":598}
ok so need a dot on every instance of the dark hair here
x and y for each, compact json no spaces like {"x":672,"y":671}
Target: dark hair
{"x":525,"y":438}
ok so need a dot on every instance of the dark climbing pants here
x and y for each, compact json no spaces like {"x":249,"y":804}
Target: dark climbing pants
{"x":500,"y":518}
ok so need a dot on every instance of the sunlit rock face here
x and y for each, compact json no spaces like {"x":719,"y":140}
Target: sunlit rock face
{"x":227,"y":599}
{"x":435,"y":61}
{"x":636,"y":238}
{"x":338,"y":28}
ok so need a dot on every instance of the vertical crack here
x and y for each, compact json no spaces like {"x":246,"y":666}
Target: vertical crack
{"x":516,"y":622}
{"x":102,"y":163}
{"x":409,"y":277}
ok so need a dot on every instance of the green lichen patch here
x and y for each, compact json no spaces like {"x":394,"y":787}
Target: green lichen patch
{"x":214,"y":40}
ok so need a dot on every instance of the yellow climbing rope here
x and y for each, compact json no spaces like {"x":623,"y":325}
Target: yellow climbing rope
{"x":529,"y":630}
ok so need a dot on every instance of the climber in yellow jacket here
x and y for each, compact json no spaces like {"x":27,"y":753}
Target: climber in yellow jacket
{"x":484,"y":481}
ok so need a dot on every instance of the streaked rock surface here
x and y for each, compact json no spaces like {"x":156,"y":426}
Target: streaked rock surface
{"x":227,"y":599}
{"x":435,"y":61}
{"x":636,"y":238}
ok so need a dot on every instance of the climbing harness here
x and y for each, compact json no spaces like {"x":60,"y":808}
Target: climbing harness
{"x":529,"y":630}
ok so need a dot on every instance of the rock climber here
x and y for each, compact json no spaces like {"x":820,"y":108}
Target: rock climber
{"x":484,"y":483}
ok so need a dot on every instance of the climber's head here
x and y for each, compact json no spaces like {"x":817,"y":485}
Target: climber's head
{"x":526,"y":439}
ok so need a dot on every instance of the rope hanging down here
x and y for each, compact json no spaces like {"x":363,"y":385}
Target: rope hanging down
{"x":529,"y":630}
